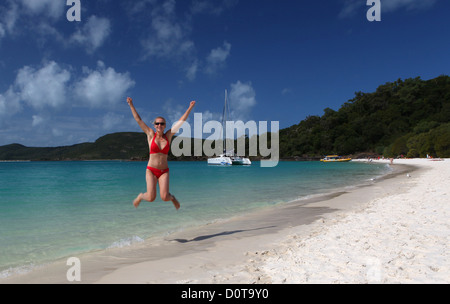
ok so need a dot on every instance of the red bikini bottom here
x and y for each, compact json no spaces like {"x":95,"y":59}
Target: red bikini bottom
{"x":157,"y":172}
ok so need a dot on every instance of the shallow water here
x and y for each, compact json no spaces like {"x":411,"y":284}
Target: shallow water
{"x":50,"y":210}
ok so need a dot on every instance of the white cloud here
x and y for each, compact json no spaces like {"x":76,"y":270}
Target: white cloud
{"x":173,"y":111}
{"x":46,"y":13}
{"x":8,"y":18}
{"x":43,"y":87}
{"x":103,"y":87}
{"x":93,"y":34}
{"x":208,"y":115}
{"x":242,"y":99}
{"x":2,"y":31}
{"x":51,"y":8}
{"x":37,"y":120}
{"x":168,"y":37}
{"x":18,"y":16}
{"x":111,"y":120}
{"x":192,"y":70}
{"x":48,"y":91}
{"x":286,"y":91}
{"x":392,"y":5}
{"x":211,"y":7}
{"x":351,"y":7}
{"x":9,"y":103}
{"x":216,"y":59}
{"x":45,"y":29}
{"x":11,"y":16}
{"x":50,"y":86}
{"x":57,"y":132}
{"x":136,"y":7}
{"x":201,"y":6}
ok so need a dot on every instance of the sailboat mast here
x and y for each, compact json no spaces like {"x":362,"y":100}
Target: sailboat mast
{"x":224,"y":123}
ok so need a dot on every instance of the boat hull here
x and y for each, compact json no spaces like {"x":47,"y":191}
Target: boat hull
{"x":336,"y":160}
{"x":229,"y":161}
{"x":220,"y":161}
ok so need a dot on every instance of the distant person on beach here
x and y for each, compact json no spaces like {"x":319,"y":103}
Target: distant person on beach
{"x":159,"y":145}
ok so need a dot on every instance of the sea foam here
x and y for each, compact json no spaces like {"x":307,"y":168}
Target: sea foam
{"x":126,"y":242}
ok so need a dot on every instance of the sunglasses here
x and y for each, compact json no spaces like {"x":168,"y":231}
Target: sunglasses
{"x":160,"y":123}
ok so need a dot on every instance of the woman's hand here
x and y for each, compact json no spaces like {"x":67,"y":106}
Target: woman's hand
{"x":129,"y":101}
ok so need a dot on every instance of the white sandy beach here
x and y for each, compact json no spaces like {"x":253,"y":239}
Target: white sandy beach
{"x":395,"y":231}
{"x":396,"y":238}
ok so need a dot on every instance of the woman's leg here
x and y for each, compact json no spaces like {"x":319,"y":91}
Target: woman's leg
{"x":150,"y":195}
{"x":164,"y":190}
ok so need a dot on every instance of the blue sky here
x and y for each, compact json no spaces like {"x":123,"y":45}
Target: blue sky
{"x":63,"y":83}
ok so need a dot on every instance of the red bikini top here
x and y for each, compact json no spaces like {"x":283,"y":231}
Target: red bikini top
{"x":155,"y":149}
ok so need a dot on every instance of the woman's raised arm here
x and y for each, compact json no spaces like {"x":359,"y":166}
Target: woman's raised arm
{"x":176,"y":126}
{"x":138,"y":119}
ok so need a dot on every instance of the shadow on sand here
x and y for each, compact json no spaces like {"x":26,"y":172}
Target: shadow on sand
{"x":209,"y":236}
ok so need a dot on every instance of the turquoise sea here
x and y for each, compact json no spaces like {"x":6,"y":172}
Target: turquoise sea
{"x":52,"y":210}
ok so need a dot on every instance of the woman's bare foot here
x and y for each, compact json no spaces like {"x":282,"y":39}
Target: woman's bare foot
{"x":137,"y":201}
{"x":175,"y":202}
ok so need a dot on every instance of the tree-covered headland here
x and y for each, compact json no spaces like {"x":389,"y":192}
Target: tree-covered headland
{"x":407,"y":117}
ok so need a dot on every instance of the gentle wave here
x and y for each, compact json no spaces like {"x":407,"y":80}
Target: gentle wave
{"x":127,"y":242}
{"x":21,"y":270}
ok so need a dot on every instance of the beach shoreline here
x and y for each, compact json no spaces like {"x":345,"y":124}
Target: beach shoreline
{"x":289,"y":256}
{"x":267,"y":246}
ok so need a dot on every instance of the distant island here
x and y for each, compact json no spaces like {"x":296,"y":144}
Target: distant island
{"x":123,"y":146}
{"x":408,"y":118}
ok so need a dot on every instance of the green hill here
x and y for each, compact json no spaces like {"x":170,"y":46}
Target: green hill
{"x":410,"y":117}
{"x":127,"y":145}
{"x":407,"y":117}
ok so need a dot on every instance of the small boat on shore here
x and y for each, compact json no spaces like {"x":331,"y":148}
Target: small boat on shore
{"x":335,"y":158}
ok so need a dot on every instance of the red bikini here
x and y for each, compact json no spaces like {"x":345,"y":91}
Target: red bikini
{"x":157,"y":172}
{"x":154,"y":149}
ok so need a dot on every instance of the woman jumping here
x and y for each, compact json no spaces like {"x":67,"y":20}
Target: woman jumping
{"x":158,"y":167}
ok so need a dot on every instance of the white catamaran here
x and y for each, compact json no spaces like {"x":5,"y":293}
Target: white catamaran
{"x":228,"y":158}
